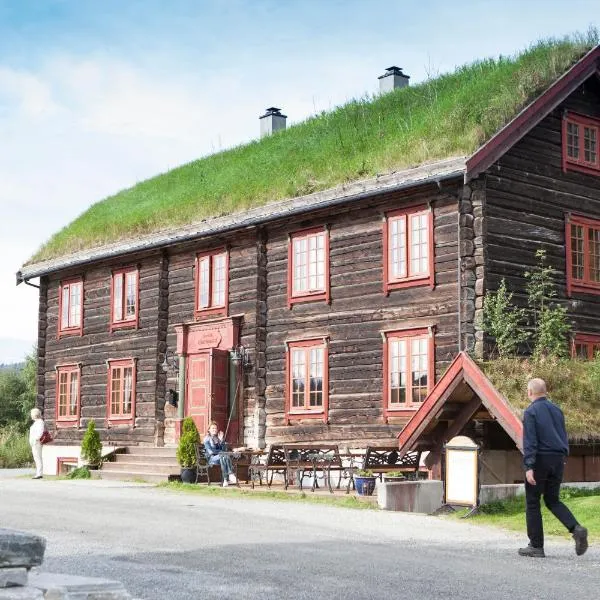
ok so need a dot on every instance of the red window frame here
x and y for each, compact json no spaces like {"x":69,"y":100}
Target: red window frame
{"x":409,"y":280}
{"x":320,"y":412}
{"x":71,"y":419}
{"x":586,"y":283}
{"x":120,"y":417}
{"x":579,"y":163}
{"x":408,"y":335}
{"x":588,"y":341}
{"x":309,"y":295}
{"x":211,"y":308}
{"x":130,"y":321}
{"x":70,"y":330}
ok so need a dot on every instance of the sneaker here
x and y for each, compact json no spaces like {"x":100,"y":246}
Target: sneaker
{"x":532,"y":552}
{"x":232,"y":478}
{"x":225,"y":483}
{"x":40,"y":477}
{"x":581,"y":541}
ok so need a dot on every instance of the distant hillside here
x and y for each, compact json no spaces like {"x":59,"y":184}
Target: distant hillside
{"x":11,"y":366}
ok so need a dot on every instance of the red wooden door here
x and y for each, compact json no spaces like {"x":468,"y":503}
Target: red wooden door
{"x":198,"y":390}
{"x":206,"y":398}
{"x":220,"y":381}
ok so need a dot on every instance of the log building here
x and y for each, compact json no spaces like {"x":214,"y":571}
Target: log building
{"x":328,"y":316}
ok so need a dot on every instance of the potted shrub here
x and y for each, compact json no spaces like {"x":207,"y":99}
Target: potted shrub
{"x":91,"y":447}
{"x":364,"y":480}
{"x":186,"y":450}
{"x":394,"y":476}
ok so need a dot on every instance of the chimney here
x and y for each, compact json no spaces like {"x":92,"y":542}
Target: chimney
{"x":271,"y":121}
{"x":392,"y":79}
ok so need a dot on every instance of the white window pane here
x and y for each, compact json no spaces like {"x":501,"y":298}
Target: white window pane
{"x":75,"y":307}
{"x":64,"y":318}
{"x":131,"y":295}
{"x":219,"y":280}
{"x":397,"y":248}
{"x":204,"y":282}
{"x":118,"y":297}
{"x":127,"y":391}
{"x":300,"y":266}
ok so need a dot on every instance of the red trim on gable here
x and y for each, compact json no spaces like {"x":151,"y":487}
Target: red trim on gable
{"x":462,"y":368}
{"x":532,"y":114}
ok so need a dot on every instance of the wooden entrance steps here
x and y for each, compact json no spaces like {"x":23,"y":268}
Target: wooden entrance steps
{"x":141,"y":463}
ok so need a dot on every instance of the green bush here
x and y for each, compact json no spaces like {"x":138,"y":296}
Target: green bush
{"x":79,"y":473}
{"x":15,"y":451}
{"x":91,"y":446}
{"x":186,"y":450}
{"x":364,"y":473}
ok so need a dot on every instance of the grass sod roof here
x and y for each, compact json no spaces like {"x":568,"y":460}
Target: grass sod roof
{"x":574,"y":385}
{"x":446,"y":116}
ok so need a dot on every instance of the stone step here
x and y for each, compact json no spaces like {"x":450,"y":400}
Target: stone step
{"x":145,"y":458}
{"x":132,"y":476}
{"x":158,"y":468}
{"x":148,"y":451}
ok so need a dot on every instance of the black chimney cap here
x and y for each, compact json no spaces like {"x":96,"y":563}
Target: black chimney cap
{"x":393,"y":71}
{"x":273,"y":111}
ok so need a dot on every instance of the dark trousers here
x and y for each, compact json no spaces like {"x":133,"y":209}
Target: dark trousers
{"x":548,"y":473}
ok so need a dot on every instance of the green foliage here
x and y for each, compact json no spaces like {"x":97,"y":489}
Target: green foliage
{"x":91,"y":446}
{"x":17,"y":393}
{"x":364,"y":473}
{"x":79,"y":473}
{"x":186,"y":450}
{"x":572,"y":384}
{"x":15,"y":451}
{"x":449,"y":115}
{"x":396,"y":475}
{"x":550,"y":322}
{"x":503,"y":321}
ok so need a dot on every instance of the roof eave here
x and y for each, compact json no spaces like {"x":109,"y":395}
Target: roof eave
{"x":448,"y":169}
{"x":532,"y":114}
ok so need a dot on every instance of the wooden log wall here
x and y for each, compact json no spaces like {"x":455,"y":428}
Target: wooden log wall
{"x":358,"y":312}
{"x":527,"y":198}
{"x":41,"y":343}
{"x":98,"y":344}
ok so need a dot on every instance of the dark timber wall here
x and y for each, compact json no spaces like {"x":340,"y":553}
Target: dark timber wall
{"x":358,"y":313}
{"x":527,"y":198}
{"x":98,"y":344}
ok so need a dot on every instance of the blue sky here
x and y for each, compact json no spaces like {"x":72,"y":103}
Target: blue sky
{"x":96,"y":95}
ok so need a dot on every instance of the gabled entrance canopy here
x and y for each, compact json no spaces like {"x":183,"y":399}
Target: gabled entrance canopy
{"x":463,"y":394}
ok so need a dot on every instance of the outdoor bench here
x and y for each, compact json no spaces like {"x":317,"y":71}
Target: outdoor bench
{"x":385,"y":459}
{"x":304,"y":460}
{"x":260,"y":467}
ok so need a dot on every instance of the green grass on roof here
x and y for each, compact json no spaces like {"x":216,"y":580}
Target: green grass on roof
{"x":572,"y":384}
{"x":450,"y":115}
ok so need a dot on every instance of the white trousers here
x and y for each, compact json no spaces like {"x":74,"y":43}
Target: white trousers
{"x":36,"y":450}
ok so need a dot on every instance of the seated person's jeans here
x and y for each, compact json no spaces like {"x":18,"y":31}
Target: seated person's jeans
{"x":224,"y":461}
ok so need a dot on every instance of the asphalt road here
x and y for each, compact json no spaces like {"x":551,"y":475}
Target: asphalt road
{"x":164,"y":544}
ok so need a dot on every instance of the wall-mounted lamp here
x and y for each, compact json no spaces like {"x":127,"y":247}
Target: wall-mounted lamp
{"x":241,"y":355}
{"x":170,"y":363}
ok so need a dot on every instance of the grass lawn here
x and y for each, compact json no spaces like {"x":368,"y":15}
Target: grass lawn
{"x":216,"y":491}
{"x":445,"y":116}
{"x":510,"y":514}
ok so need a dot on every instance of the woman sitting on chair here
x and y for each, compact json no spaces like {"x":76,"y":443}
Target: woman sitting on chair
{"x":214,"y":444}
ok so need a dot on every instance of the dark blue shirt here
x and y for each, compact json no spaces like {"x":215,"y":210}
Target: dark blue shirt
{"x":544,"y":431}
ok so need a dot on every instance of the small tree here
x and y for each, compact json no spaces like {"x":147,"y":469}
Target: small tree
{"x":91,"y":446}
{"x":550,"y":322}
{"x":186,"y":450}
{"x":503,"y":321}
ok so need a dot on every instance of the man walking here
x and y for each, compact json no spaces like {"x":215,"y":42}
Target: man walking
{"x":545,"y":446}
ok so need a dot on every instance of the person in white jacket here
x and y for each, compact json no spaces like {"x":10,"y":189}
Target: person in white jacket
{"x":35,"y":433}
